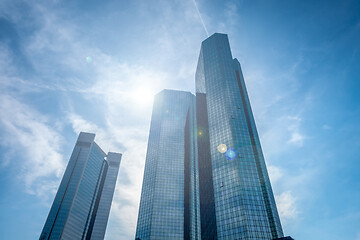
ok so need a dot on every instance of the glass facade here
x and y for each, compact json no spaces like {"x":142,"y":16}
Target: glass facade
{"x":105,"y":197}
{"x":244,"y":204}
{"x":206,"y":187}
{"x":205,"y":174}
{"x":82,"y":203}
{"x":169,"y":198}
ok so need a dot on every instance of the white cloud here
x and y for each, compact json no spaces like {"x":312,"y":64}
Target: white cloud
{"x":33,"y":145}
{"x":231,"y":15}
{"x":127,"y":197}
{"x":79,"y":124}
{"x":296,"y":137}
{"x":277,"y":111}
{"x":286,"y":204}
{"x":8,"y":76}
{"x":280,"y":134}
{"x":275,"y":173}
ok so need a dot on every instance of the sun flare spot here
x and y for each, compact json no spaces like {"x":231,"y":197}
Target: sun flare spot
{"x":142,"y":97}
{"x":222,"y":148}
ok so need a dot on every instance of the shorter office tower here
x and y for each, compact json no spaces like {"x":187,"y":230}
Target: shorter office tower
{"x":82,"y":204}
{"x":169,"y":198}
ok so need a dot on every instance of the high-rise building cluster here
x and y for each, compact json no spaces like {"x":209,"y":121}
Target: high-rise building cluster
{"x":205,"y":175}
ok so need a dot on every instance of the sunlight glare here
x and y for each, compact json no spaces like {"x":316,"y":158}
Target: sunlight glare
{"x":143,"y":97}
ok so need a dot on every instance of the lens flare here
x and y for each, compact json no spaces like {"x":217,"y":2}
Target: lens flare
{"x":222,"y":148}
{"x":88,"y":59}
{"x":230,"y":154}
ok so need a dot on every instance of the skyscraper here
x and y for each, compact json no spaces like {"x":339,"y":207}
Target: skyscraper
{"x":205,"y":175}
{"x":237,"y":188}
{"x":82,"y":204}
{"x":169,"y":199}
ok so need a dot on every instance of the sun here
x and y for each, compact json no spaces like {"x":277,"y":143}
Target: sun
{"x":143,"y":97}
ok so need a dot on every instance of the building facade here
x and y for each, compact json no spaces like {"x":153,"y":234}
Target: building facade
{"x":205,"y":174}
{"x":242,"y":204}
{"x":169,"y":199}
{"x":82,"y":204}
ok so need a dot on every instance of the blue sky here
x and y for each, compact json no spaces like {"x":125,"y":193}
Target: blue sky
{"x":300,"y":61}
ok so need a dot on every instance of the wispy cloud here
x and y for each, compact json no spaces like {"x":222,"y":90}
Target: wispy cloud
{"x":286,"y":204}
{"x":26,"y":131}
{"x":30,"y":138}
{"x":275,"y":173}
{"x":279,"y":134}
{"x":286,"y":201}
{"x":296,"y":137}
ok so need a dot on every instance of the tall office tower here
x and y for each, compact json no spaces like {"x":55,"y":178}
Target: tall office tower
{"x":236,"y":199}
{"x":82,"y":204}
{"x":169,"y":197}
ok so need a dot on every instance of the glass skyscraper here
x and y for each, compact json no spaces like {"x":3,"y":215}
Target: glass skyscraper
{"x":236,"y":198}
{"x":205,"y":175}
{"x":169,"y":198}
{"x":82,"y":204}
